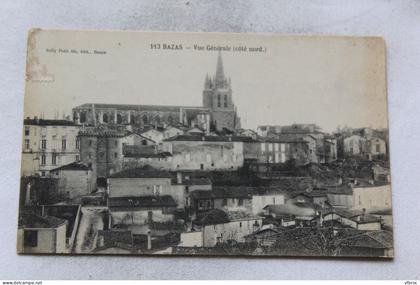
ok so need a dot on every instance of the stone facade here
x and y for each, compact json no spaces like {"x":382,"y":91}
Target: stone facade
{"x":102,"y":150}
{"x":48,"y":144}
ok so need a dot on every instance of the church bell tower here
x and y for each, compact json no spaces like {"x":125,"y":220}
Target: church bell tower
{"x":217,"y":96}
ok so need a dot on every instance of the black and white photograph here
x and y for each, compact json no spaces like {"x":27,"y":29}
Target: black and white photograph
{"x":209,"y":144}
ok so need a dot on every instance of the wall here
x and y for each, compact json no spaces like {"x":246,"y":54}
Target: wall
{"x":139,"y":216}
{"x":259,"y":202}
{"x":191,"y":239}
{"x":53,"y":136}
{"x":74,"y":182}
{"x":340,"y":200}
{"x":190,"y":155}
{"x":237,"y":230}
{"x":233,"y":204}
{"x":372,"y":198}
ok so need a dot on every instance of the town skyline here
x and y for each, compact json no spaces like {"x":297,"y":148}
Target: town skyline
{"x":288,"y":85}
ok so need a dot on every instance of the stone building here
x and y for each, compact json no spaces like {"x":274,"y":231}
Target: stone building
{"x":218,"y":110}
{"x":101,"y":149}
{"x":48,"y":144}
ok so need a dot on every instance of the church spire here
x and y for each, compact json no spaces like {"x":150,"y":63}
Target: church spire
{"x":220,"y":75}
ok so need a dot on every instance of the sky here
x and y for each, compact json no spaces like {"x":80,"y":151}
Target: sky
{"x":330,"y":81}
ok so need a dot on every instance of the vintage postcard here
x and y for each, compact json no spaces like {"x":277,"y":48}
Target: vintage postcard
{"x":205,"y":144}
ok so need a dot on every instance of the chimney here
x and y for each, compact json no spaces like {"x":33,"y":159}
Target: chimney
{"x":149,"y":239}
{"x":179,"y":178}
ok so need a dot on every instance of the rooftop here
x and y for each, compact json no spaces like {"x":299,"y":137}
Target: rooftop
{"x":132,"y":107}
{"x":44,"y":122}
{"x":127,"y":203}
{"x":30,"y":220}
{"x":77,"y":165}
{"x":211,"y":138}
{"x":142,"y":172}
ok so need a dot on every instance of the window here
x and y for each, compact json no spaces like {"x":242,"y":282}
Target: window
{"x":43,"y":159}
{"x":90,"y":142}
{"x":105,"y":118}
{"x":144,"y":142}
{"x":54,"y":159}
{"x":187,"y":189}
{"x":77,"y":143}
{"x":270,"y":147}
{"x":240,"y":224}
{"x":27,"y":131}
{"x":42,"y":173}
{"x":282,"y":147}
{"x":90,"y":155}
{"x":218,"y":100}
{"x":115,"y":155}
{"x":116,"y":143}
{"x":225,"y":101}
{"x":276,"y":147}
{"x":27,"y":144}
{"x":240,"y":202}
{"x":208,"y":157}
{"x":77,"y":158}
{"x":224,"y":202}
{"x":274,"y":200}
{"x":30,"y":238}
{"x":63,"y":144}
{"x":119,"y":119}
{"x":263,"y":147}
{"x":44,"y":144}
{"x":378,"y":148}
{"x":157,"y":189}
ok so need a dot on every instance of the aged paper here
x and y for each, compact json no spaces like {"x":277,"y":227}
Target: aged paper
{"x":205,"y":144}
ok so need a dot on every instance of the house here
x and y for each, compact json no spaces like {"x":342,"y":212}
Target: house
{"x":141,"y":210}
{"x":227,"y":198}
{"x":218,"y":226}
{"x":74,"y":179}
{"x":114,"y":242}
{"x":368,"y":243}
{"x":315,"y":196}
{"x":48,"y":144}
{"x":356,"y":219}
{"x":41,"y":234}
{"x":340,"y":196}
{"x":372,"y":197}
{"x":282,"y":148}
{"x":265,"y":236}
{"x":154,"y":135}
{"x":205,"y":152}
{"x":290,"y":208}
{"x":354,"y":145}
{"x":259,"y":201}
{"x":139,"y":182}
{"x":375,"y":147}
{"x":131,"y":138}
{"x":172,"y":131}
{"x":141,"y":156}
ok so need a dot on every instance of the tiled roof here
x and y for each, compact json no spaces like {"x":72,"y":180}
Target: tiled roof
{"x":213,"y":217}
{"x":43,"y":122}
{"x":125,"y":203}
{"x":73,"y":166}
{"x":211,"y":138}
{"x":133,"y":107}
{"x":142,"y":172}
{"x":355,"y":215}
{"x":35,"y":221}
{"x":371,"y":239}
{"x":196,"y":181}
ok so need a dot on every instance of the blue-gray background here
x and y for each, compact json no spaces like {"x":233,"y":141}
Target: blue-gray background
{"x":397,"y":21}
